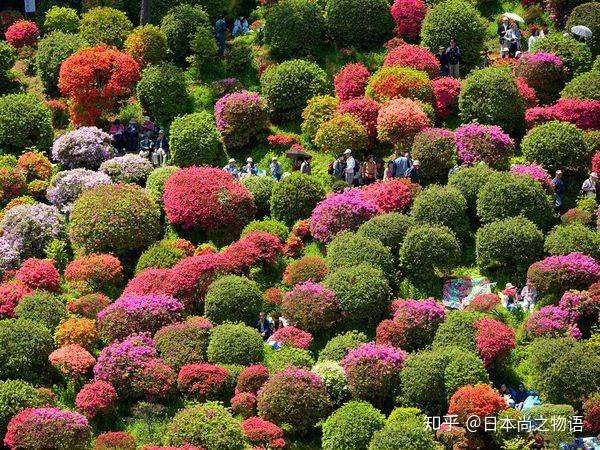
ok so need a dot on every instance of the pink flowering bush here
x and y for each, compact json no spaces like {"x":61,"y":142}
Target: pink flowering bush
{"x":527,"y":93}
{"x":48,"y":428}
{"x":445,"y":92}
{"x":252,"y":378}
{"x":202,"y":381}
{"x":345,"y":211}
{"x":39,"y":274}
{"x":263,"y":433}
{"x":494,"y":340}
{"x":365,"y":110}
{"x":293,"y":337}
{"x":240,"y":116}
{"x":551,"y":321}
{"x":73,"y":361}
{"x":311,"y":307}
{"x":557,"y":274}
{"x":399,"y":121}
{"x":11,"y":294}
{"x":22,"y":33}
{"x":96,"y":398}
{"x":281,"y":141}
{"x":373,"y":371}
{"x":484,"y":302}
{"x":408,"y":16}
{"x":486,"y":143}
{"x":535,"y":171}
{"x":115,"y":440}
{"x":350,"y":82}
{"x":95,"y":272}
{"x":544,"y":72}
{"x":244,"y":404}
{"x":392,"y":196}
{"x":88,"y":306}
{"x":415,"y":57}
{"x":583,"y":113}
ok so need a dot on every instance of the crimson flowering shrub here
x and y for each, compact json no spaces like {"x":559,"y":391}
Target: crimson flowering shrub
{"x":72,"y":361}
{"x":7,"y":18}
{"x":311,"y":307}
{"x":414,"y":57}
{"x":95,"y":271}
{"x":282,"y":141}
{"x":207,"y":199}
{"x":293,"y":337}
{"x":408,"y":16}
{"x":494,"y":340}
{"x":535,"y":171}
{"x":240,"y":116}
{"x":95,"y":80}
{"x":591,"y":410}
{"x":583,"y":113}
{"x":480,"y":400}
{"x":263,"y":433}
{"x":391,"y":196}
{"x":22,"y":33}
{"x":484,"y":303}
{"x":445,"y":93}
{"x":307,"y":268}
{"x":395,"y":82}
{"x":399,"y":121}
{"x":365,"y":110}
{"x":244,"y":404}
{"x":373,"y":371}
{"x":48,"y":428}
{"x":544,"y":72}
{"x":202,"y":381}
{"x":527,"y":93}
{"x":257,"y":248}
{"x":96,"y":398}
{"x":39,"y":274}
{"x":183,"y":343}
{"x":486,"y":143}
{"x":551,"y":321}
{"x":557,"y":274}
{"x":351,"y":81}
{"x":11,"y":294}
{"x":88,"y":306}
{"x":115,"y":440}
{"x":251,"y":379}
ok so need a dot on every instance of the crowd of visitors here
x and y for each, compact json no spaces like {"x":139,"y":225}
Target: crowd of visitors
{"x":146,"y":139}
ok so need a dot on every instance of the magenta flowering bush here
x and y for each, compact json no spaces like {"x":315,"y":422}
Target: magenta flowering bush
{"x":96,"y":398}
{"x":240,"y":116}
{"x":351,"y":81}
{"x":127,"y":169}
{"x":373,"y":371}
{"x":138,"y":314}
{"x":575,"y":303}
{"x":311,"y":306}
{"x":445,"y":92}
{"x":486,"y":143}
{"x":583,"y":113}
{"x":551,"y":321}
{"x":345,"y":211}
{"x":67,"y":185}
{"x":85,"y":147}
{"x":45,"y":428}
{"x":544,"y":72}
{"x":557,"y":274}
{"x":408,"y":16}
{"x":535,"y":171}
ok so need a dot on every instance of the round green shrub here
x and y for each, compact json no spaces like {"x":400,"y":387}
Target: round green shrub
{"x":428,"y":249}
{"x":483,"y":91}
{"x":455,"y":19}
{"x":341,"y":132}
{"x":587,"y":14}
{"x":16,"y":395}
{"x":352,"y":426}
{"x":52,"y":50}
{"x":288,"y":86}
{"x":162,"y":92}
{"x":204,"y":48}
{"x":363,"y":294}
{"x":553,"y":413}
{"x":209,"y":425}
{"x":42,"y":307}
{"x":575,"y":55}
{"x":183,"y":343}
{"x":235,"y":343}
{"x":406,"y":414}
{"x":436,"y":151}
{"x":469,"y":180}
{"x":195,"y":140}
{"x":24,"y":350}
{"x":440,"y":205}
{"x":557,"y":145}
{"x":261,"y":188}
{"x":147,"y":44}
{"x":358,"y":23}
{"x":293,"y":28}
{"x":565,"y":239}
{"x":506,"y":195}
{"x":457,"y":331}
{"x":335,"y":381}
{"x":114,"y":218}
{"x":160,"y":255}
{"x":337,"y":347}
{"x":59,"y":18}
{"x":349,"y":249}
{"x":390,"y":229}
{"x":584,"y":86}
{"x":8,"y":58}
{"x":510,"y":245}
{"x":180,"y":25}
{"x":406,"y":436}
{"x":294,"y":198}
{"x":286,"y":357}
{"x":24,"y":122}
{"x":271,"y":226}
{"x":105,"y":25}
{"x":233,"y":298}
{"x":155,"y":184}
{"x":318,"y":110}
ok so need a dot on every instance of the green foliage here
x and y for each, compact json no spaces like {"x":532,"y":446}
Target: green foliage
{"x":469,"y":180}
{"x":587,"y":14}
{"x":286,"y":357}
{"x":272,"y":226}
{"x":160,"y":255}
{"x":584,"y":86}
{"x":294,"y":28}
{"x":235,"y":344}
{"x":42,"y":307}
{"x":180,"y":25}
{"x":204,"y":48}
{"x":8,"y":57}
{"x":105,"y":25}
{"x":318,"y":110}
{"x":349,"y":249}
{"x":232,"y":298}
{"x":437,"y":155}
{"x":406,"y":436}
{"x":147,"y":44}
{"x":58,"y":251}
{"x":556,"y":413}
{"x":131,"y":111}
{"x":16,"y":395}
{"x":457,"y":331}
{"x":60,"y":18}
{"x":341,"y":132}
{"x":564,"y":239}
{"x":261,"y":188}
{"x":195,"y":140}
{"x":337,"y":347}
{"x":575,"y":55}
{"x":390,"y":229}
{"x":294,"y":198}
{"x":155,"y":184}
{"x":358,"y":23}
{"x":444,"y":206}
{"x":334,"y":378}
{"x":352,"y":426}
{"x":238,"y":56}
{"x":288,"y":86}
{"x":24,"y":122}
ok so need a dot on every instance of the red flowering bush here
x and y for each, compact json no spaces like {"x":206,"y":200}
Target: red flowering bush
{"x":544,"y":72}
{"x":307,"y":268}
{"x":311,"y":307}
{"x":408,"y":16}
{"x":494,"y":340}
{"x":72,"y":361}
{"x":302,"y":229}
{"x":95,"y":80}
{"x":392,"y":196}
{"x":11,"y":294}
{"x":12,"y":184}
{"x":591,"y":414}
{"x":399,"y":121}
{"x":365,"y":110}
{"x":293,"y":246}
{"x":480,"y":400}
{"x":254,"y":249}
{"x":35,"y":166}
{"x":527,"y":93}
{"x":263,"y":433}
{"x":350,"y":82}
{"x":96,"y":398}
{"x":273,"y":297}
{"x":445,"y":92}
{"x":244,"y":404}
{"x":399,"y":82}
{"x":415,"y":57}
{"x":293,"y":337}
{"x":208,"y":199}
{"x":22,"y":33}
{"x":39,"y":274}
{"x":584,"y":114}
{"x":282,"y":141}
{"x":88,"y":306}
{"x":484,"y":302}
{"x":202,"y":381}
{"x":252,"y":378}
{"x":115,"y":440}
{"x":95,"y":272}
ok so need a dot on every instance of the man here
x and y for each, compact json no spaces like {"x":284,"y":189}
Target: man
{"x":588,"y":189}
{"x":401,"y":165}
{"x":443,"y":60}
{"x":250,"y":168}
{"x":263,"y":326}
{"x":240,"y":26}
{"x":414,"y":174}
{"x":453,"y":53}
{"x":559,"y":189}
{"x":305,"y":167}
{"x":161,"y":141}
{"x":275,"y":169}
{"x":339,"y":166}
{"x":232,"y":168}
{"x":350,"y":165}
{"x":220,"y":30}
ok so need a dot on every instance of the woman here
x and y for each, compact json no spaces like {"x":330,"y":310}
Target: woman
{"x":388,"y":173}
{"x":534,"y":37}
{"x":117,"y":131}
{"x":369,"y":170}
{"x":305,"y":166}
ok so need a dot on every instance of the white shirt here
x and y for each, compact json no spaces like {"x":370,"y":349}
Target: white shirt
{"x":350,"y":163}
{"x":530,"y":42}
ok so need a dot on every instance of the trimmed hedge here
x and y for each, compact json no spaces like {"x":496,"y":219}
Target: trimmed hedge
{"x":62,"y":19}
{"x":586,"y":86}
{"x":575,"y":55}
{"x":42,"y":307}
{"x":180,"y":25}
{"x":271,"y":226}
{"x":587,"y":14}
{"x":351,"y":426}
{"x":24,"y":122}
{"x":349,"y":249}
{"x":235,"y":343}
{"x":194,"y":140}
{"x":390,"y":229}
{"x":436,"y":151}
{"x":338,"y":346}
{"x":318,"y":110}
{"x":232,"y":298}
{"x":261,"y":188}
{"x":105,"y":25}
{"x":565,"y":239}
{"x":444,"y":206}
{"x":469,"y":180}
{"x":294,"y":198}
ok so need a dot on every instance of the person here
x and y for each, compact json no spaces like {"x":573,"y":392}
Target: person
{"x":132,"y":137}
{"x":544,"y":31}
{"x":146,"y":146}
{"x":263,"y":326}
{"x":589,"y":186}
{"x":534,"y":37}
{"x":117,"y":131}
{"x":528,"y":295}
{"x":559,"y":189}
{"x":369,"y":170}
{"x":512,"y":40}
{"x":453,"y":53}
{"x":414,"y":173}
{"x":402,"y":164}
{"x":485,"y":58}
{"x":443,"y":60}
{"x":147,"y":126}
{"x":305,"y":166}
{"x":231,"y":168}
{"x":505,"y":393}
{"x":338,"y":167}
{"x":161,"y":141}
{"x":275,"y":169}
{"x":350,"y":165}
{"x":502,"y":30}
{"x":220,"y":31}
{"x":388,"y":174}
{"x":519,"y":395}
{"x":159,"y":157}
{"x":249,"y":169}
{"x":240,"y":26}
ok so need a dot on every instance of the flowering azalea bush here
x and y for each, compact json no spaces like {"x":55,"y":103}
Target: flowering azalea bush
{"x":494,"y":340}
{"x":12,"y":184}
{"x":88,"y":306}
{"x":252,"y":378}
{"x":127,"y":169}
{"x":115,"y":440}
{"x":486,"y":143}
{"x":408,"y":16}
{"x":263,"y":433}
{"x":536,"y":172}
{"x":183,"y":343}
{"x":591,"y":408}
{"x":22,"y":33}
{"x":311,"y":307}
{"x":399,"y":121}
{"x":584,"y":114}
{"x":395,"y":82}
{"x":11,"y":294}
{"x":551,"y":321}
{"x":307,"y":268}
{"x":35,"y":166}
{"x":527,"y":93}
{"x":39,"y":274}
{"x":78,"y":331}
{"x":484,"y":302}
{"x":96,"y":398}
{"x":67,"y":185}
{"x":240,"y":116}
{"x":414,"y":57}
{"x":95,"y":272}
{"x":85,"y":147}
{"x":557,"y":274}
{"x":445,"y":93}
{"x":293,"y":337}
{"x":340,"y":132}
{"x":72,"y":361}
{"x":202,"y":381}
{"x":244,"y":404}
{"x":544,"y":72}
{"x":351,"y":81}
{"x":365,"y":110}
{"x":392,"y":196}
{"x":480,"y":400}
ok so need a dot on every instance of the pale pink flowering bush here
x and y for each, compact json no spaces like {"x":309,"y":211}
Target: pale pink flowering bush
{"x":240,"y":116}
{"x":84,"y":147}
{"x":486,"y":143}
{"x":535,"y":171}
{"x":73,"y":361}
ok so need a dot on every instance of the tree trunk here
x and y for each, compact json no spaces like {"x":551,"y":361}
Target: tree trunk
{"x":145,"y":12}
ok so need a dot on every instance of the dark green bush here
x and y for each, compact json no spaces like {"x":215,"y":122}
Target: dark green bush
{"x":288,"y":86}
{"x":180,"y":25}
{"x":147,"y":44}
{"x":232,"y":298}
{"x":294,"y":28}
{"x":584,"y":86}
{"x":62,"y":19}
{"x":294,"y":198}
{"x":469,"y":180}
{"x":105,"y":25}
{"x":564,"y":239}
{"x":272,"y":226}
{"x":575,"y":55}
{"x":204,"y":48}
{"x":238,"y":56}
{"x":183,"y":343}
{"x":457,"y":331}
{"x":428,"y":249}
{"x":235,"y":343}
{"x":358,"y":23}
{"x":195,"y":140}
{"x":444,"y":206}
{"x":261,"y":188}
{"x":160,"y":255}
{"x":398,"y":435}
{"x":8,"y":57}
{"x":16,"y":395}
{"x":24,"y":122}
{"x":155,"y":184}
{"x":390,"y":229}
{"x":436,"y":151}
{"x":52,"y":50}
{"x":553,"y":413}
{"x":42,"y":307}
{"x":349,"y":249}
{"x":352,"y":426}
{"x":587,"y":14}
{"x":337,"y":347}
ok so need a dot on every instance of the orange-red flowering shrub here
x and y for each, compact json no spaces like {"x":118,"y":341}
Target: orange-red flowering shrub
{"x":39,"y":274}
{"x":97,"y":271}
{"x":480,"y":400}
{"x":400,"y":120}
{"x":12,"y":184}
{"x":395,"y":82}
{"x":202,"y":381}
{"x":484,"y":302}
{"x":22,"y":33}
{"x":73,"y":361}
{"x":35,"y":166}
{"x":252,"y":378}
{"x":77,"y":331}
{"x":415,"y":57}
{"x":308,"y":268}
{"x":392,"y":196}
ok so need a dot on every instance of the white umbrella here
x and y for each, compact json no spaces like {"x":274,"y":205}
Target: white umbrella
{"x":582,"y":31}
{"x":513,"y":16}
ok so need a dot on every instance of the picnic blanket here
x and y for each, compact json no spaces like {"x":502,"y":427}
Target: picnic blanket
{"x":458,"y":292}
